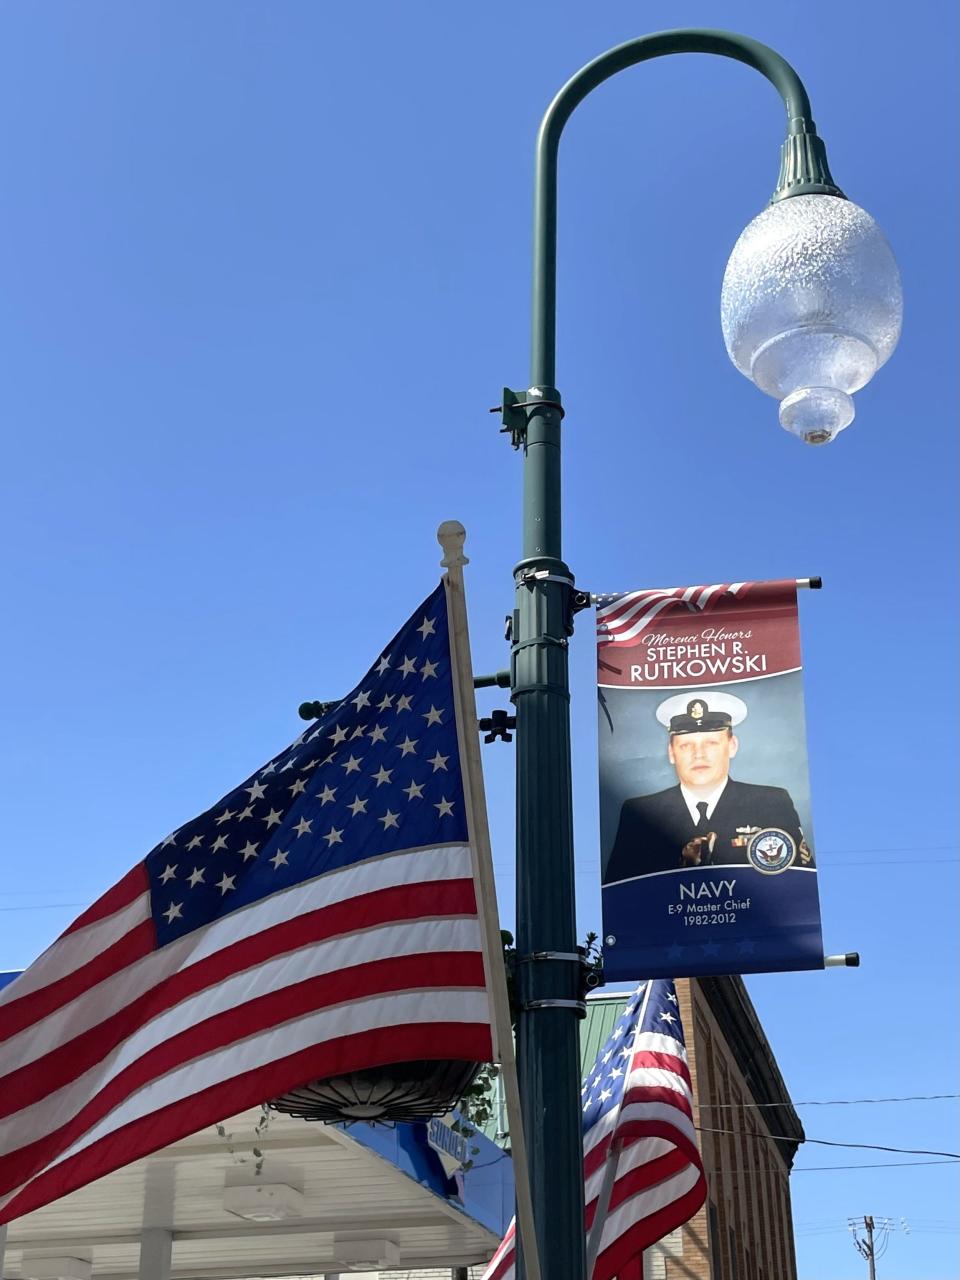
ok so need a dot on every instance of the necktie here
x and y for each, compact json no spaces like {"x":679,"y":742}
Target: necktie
{"x":701,"y":825}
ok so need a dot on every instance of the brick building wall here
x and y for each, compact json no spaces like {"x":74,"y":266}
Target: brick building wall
{"x":744,"y":1230}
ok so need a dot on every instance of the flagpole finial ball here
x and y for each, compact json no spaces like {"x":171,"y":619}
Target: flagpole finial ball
{"x":451,"y":535}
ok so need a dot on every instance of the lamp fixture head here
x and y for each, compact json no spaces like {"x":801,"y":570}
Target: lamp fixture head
{"x":811,"y":307}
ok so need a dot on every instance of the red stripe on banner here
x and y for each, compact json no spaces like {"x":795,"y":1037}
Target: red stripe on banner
{"x":125,"y":891}
{"x":641,"y":1235}
{"x":133,"y":946}
{"x":663,"y":1061}
{"x":461,"y":1041}
{"x":46,"y":1074}
{"x":400,"y":973}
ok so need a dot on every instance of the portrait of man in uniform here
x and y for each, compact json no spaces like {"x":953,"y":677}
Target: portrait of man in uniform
{"x":708,"y":818}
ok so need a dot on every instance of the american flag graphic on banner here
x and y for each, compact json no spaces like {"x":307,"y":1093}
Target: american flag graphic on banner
{"x":642,"y":1169}
{"x":321,"y":918}
{"x":624,"y":616}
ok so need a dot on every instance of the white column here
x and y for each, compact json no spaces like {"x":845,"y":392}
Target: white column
{"x":156,"y":1248}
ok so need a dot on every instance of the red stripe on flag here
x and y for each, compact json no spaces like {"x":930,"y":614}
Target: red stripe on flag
{"x":642,"y":1094}
{"x":639,"y":1179}
{"x":594,"y":1158}
{"x":133,"y":946}
{"x":401,"y":973}
{"x":663,"y":1061}
{"x":647,"y":1231}
{"x":632,"y":1181}
{"x":40,"y":1078}
{"x":663,"y":1129}
{"x":461,"y":1041}
{"x":125,"y":891}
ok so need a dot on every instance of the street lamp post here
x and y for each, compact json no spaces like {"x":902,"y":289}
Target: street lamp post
{"x":809,"y":325}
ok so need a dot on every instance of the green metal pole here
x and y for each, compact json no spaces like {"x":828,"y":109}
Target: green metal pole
{"x":548,"y":979}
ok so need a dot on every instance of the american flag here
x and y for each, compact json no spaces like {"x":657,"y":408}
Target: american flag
{"x":321,"y":918}
{"x":624,"y":616}
{"x":643,"y":1172}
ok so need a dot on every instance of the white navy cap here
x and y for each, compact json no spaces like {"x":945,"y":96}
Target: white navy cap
{"x":701,"y":712}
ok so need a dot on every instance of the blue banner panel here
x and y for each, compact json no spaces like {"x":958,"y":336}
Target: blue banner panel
{"x":706,"y":836}
{"x":723,"y":919}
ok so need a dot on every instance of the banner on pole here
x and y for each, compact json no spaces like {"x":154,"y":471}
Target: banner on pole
{"x":707,"y":854}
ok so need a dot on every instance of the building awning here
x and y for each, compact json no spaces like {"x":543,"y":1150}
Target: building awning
{"x":352,"y":1192}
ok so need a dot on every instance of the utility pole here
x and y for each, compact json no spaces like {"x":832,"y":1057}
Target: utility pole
{"x":876,"y":1238}
{"x":869,"y":1253}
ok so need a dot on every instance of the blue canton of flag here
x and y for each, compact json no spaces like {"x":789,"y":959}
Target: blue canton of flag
{"x":380,"y":772}
{"x":320,"y":919}
{"x":656,"y":1012}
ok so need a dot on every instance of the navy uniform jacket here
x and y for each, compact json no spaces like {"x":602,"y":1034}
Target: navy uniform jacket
{"x":654,"y":829}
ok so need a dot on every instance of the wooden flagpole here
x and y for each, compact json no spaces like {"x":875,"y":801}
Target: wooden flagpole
{"x":612,"y":1160}
{"x":451,"y":536}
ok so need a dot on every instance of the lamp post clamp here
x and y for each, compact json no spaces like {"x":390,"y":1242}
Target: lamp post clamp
{"x":589,"y":977}
{"x":517,"y":407}
{"x":497,"y":725}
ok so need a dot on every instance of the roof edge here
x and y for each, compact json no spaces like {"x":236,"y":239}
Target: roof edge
{"x":730,"y":1003}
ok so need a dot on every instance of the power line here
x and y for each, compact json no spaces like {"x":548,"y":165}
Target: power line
{"x":892,"y":1164}
{"x":826,"y":1142}
{"x":45,"y":906}
{"x":830,"y":1102}
{"x":826,"y":1168}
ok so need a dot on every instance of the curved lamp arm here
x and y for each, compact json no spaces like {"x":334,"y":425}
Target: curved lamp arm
{"x":803,"y":163}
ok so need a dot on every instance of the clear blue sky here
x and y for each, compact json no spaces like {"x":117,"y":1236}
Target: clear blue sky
{"x":263,"y":269}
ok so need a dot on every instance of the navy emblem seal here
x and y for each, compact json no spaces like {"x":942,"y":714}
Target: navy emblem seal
{"x":771,"y":851}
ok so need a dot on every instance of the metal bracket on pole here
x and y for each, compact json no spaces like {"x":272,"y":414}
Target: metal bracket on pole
{"x":574,"y":600}
{"x":512,"y":413}
{"x":542,"y":575}
{"x":590,"y":977}
{"x":497,"y":725}
{"x":540,"y":641}
{"x":579,"y":1005}
{"x":575,"y":956}
{"x":498,"y":679}
{"x":316,"y":710}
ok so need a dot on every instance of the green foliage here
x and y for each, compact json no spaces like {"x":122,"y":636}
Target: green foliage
{"x":259,"y":1129}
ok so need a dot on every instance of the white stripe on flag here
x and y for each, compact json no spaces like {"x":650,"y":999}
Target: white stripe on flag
{"x":656,"y":1042}
{"x":72,"y":950}
{"x":636,"y":1153}
{"x":659,"y":1111}
{"x":659,"y":1078}
{"x":292,"y":967}
{"x":408,"y":1008}
{"x":647,"y":1203}
{"x":417,"y":866}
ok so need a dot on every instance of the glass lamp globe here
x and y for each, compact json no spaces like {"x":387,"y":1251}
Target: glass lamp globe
{"x":811,"y":307}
